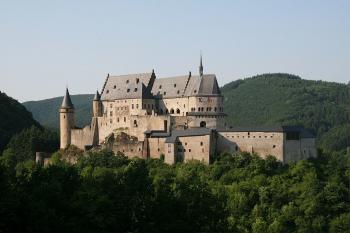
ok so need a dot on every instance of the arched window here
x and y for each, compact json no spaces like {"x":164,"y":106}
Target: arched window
{"x":135,"y":123}
{"x":178,"y":111}
{"x":171,"y":111}
{"x":203,"y":124}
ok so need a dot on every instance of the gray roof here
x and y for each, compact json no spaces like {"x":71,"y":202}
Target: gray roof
{"x":97,"y":96}
{"x":304,"y":133}
{"x":132,"y":86}
{"x":170,"y":87}
{"x":67,"y":102}
{"x":186,"y":86}
{"x":188,"y":133}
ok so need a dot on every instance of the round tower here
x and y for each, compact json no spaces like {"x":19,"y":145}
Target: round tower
{"x":97,"y":105}
{"x":67,"y":120}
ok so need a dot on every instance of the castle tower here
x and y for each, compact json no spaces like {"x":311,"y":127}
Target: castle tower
{"x":67,"y":120}
{"x":97,"y":105}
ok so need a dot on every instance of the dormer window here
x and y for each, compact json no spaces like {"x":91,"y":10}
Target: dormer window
{"x":135,"y":90}
{"x":128,"y":90}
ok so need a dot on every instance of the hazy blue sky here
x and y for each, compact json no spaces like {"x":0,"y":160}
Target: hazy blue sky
{"x":45,"y":45}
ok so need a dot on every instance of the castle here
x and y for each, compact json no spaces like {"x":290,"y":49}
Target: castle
{"x":176,"y":119}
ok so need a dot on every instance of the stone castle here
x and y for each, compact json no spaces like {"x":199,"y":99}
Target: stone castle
{"x":176,"y":119}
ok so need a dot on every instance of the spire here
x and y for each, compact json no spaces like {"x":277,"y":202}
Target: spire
{"x":97,"y":96}
{"x":201,"y":66}
{"x":67,"y":102}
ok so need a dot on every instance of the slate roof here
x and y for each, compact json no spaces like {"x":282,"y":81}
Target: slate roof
{"x":304,"y":133}
{"x":145,"y":85}
{"x":67,"y":102}
{"x":186,"y":86}
{"x":132,"y":86}
{"x":97,"y":96}
{"x":169,"y":87}
{"x":188,"y":133}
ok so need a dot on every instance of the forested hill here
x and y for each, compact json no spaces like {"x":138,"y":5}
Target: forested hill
{"x":269,"y":99}
{"x":46,"y":111}
{"x":14,"y":117}
{"x":272,"y":99}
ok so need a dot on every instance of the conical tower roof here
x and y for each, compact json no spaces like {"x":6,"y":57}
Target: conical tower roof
{"x":67,"y":102}
{"x":97,"y":96}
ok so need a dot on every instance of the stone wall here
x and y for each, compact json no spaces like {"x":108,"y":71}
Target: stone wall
{"x":262,"y":143}
{"x":156,"y":147}
{"x":194,"y":147}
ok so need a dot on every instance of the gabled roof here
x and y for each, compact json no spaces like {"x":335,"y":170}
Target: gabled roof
{"x":170,"y":87}
{"x":67,"y":102}
{"x":132,"y":86}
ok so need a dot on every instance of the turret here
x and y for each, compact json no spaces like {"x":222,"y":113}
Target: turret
{"x":67,"y":120}
{"x":97,"y":105}
{"x":201,"y":66}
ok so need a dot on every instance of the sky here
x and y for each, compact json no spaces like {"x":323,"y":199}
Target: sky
{"x":48,"y":45}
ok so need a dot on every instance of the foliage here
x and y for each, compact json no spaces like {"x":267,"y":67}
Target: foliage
{"x":23,"y":145}
{"x":275,"y":99}
{"x":46,"y":111}
{"x":104,"y":192}
{"x":13,"y":118}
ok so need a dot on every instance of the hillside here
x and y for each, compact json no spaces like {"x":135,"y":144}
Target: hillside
{"x":269,"y":99}
{"x":272,"y":99}
{"x":46,"y":111}
{"x":13,"y":118}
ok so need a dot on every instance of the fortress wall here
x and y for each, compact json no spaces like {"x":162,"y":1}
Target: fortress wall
{"x":130,"y":149}
{"x":308,"y":148}
{"x":300,"y":149}
{"x":170,"y":154}
{"x":262,"y":143}
{"x":156,"y":147}
{"x":82,"y":137}
{"x":292,"y":150}
{"x":212,"y":122}
{"x":148,"y":122}
{"x":148,"y":105}
{"x":179,"y":122}
{"x":194,"y":147}
{"x":174,"y":103}
{"x":205,"y":102}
